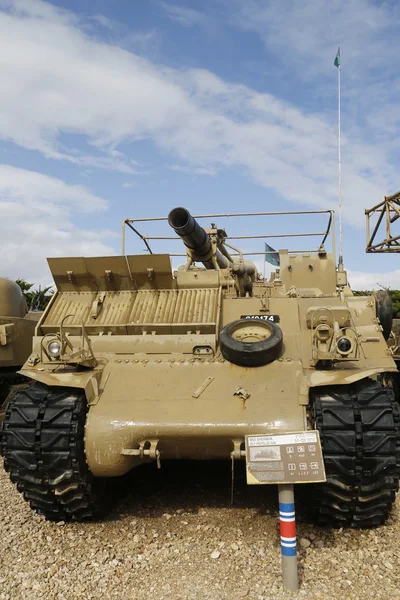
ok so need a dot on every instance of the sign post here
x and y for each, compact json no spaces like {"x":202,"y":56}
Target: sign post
{"x":285,"y":459}
{"x":287,"y":520}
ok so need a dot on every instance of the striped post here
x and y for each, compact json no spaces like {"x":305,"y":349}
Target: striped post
{"x":287,"y":520}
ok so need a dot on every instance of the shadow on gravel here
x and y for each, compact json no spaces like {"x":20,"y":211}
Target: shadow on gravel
{"x":147,"y":493}
{"x":191,"y":486}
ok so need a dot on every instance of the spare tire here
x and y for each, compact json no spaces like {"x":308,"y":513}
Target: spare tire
{"x":384,"y":311}
{"x":250,"y":342}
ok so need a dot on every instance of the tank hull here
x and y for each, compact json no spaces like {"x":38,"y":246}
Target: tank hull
{"x":154,"y":405}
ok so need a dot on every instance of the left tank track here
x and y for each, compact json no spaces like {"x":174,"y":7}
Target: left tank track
{"x":8,"y":379}
{"x":42,"y":441}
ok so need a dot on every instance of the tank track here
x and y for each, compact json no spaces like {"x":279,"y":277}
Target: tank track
{"x":359,"y":427}
{"x":8,"y":379}
{"x":42,"y":441}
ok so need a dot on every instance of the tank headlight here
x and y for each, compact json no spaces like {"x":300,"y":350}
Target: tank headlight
{"x":344,"y":346}
{"x":54,"y":349}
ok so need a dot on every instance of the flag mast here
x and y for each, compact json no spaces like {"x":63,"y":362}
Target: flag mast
{"x":337,"y":64}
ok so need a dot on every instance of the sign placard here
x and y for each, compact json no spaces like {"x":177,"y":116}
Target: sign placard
{"x":294,"y":457}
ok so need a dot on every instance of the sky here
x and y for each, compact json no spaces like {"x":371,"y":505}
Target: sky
{"x":114,"y":109}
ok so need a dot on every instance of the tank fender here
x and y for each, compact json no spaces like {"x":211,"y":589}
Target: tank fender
{"x":337,"y":377}
{"x":88,"y":381}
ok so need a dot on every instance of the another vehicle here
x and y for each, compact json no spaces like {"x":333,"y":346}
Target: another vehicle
{"x":134,"y":361}
{"x":17,"y":327}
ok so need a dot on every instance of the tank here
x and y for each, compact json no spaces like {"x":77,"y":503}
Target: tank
{"x":16,"y":332}
{"x":136,"y":361}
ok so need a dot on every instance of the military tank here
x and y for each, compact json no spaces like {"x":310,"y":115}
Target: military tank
{"x":134,"y":361}
{"x":17,"y":327}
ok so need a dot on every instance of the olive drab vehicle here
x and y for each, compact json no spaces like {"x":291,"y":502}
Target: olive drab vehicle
{"x":133,"y":361}
{"x":17,"y":327}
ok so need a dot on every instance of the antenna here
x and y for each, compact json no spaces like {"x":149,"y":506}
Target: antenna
{"x":337,"y":64}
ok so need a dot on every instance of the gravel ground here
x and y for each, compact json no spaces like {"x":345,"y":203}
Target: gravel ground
{"x":174,"y":536}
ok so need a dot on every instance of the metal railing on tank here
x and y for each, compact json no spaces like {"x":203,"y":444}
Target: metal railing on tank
{"x":329,"y":231}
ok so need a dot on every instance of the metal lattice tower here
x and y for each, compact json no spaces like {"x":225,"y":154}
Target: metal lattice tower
{"x":387,"y":211}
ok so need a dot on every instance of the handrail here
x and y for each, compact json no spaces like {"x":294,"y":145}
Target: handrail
{"x":325,"y":234}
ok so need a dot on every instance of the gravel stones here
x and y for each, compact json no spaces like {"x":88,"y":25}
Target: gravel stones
{"x":161,"y":540}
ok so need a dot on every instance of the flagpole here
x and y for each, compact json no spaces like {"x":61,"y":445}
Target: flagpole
{"x":339,"y":173}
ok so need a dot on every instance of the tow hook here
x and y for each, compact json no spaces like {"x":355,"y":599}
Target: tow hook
{"x":146,"y":449}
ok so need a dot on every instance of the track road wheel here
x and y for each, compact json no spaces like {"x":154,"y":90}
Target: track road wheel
{"x":359,"y":427}
{"x":251,"y":343}
{"x":42,"y":441}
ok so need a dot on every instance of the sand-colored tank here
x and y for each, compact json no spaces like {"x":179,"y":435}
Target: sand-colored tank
{"x":17,"y":327}
{"x":134,"y":361}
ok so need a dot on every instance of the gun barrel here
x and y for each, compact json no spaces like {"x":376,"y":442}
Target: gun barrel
{"x":200,"y":248}
{"x":192,"y":234}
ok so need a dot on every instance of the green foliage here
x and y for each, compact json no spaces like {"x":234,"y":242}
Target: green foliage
{"x":24,"y":285}
{"x":35,"y":299}
{"x":394,"y":296}
{"x":362,"y":293}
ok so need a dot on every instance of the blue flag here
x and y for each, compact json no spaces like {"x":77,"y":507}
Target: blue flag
{"x":272,"y":256}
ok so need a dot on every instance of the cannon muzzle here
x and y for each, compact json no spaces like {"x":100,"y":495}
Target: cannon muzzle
{"x":210,"y":250}
{"x":192,"y":234}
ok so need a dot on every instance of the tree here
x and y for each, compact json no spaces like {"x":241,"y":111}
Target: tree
{"x":41,"y":298}
{"x":35,"y":299}
{"x":25,"y":287}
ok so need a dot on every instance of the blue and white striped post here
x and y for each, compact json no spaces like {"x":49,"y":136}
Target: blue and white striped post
{"x":287,"y":521}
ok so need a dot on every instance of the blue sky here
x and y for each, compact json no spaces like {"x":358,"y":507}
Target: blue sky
{"x":127,"y":108}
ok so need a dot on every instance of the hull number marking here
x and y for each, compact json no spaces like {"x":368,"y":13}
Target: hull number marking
{"x":271,"y":318}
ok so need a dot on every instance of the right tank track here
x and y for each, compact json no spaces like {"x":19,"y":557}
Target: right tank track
{"x":359,"y":426}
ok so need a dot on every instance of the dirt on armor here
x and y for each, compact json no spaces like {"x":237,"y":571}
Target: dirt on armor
{"x":175,"y":536}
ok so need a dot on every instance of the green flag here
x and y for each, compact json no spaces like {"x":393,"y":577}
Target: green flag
{"x":272,"y":256}
{"x":336,"y":62}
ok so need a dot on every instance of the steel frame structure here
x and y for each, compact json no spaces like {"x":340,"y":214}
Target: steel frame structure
{"x":390,"y":209}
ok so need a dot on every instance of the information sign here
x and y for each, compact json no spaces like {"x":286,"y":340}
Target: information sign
{"x":294,"y":457}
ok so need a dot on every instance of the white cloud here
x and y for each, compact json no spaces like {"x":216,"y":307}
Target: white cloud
{"x":193,"y":170}
{"x":310,"y":32}
{"x":77,"y":85}
{"x":183,"y":15}
{"x":374,"y":281}
{"x":38,"y":9}
{"x":105,"y":21}
{"x":36,"y":222}
{"x":46,"y":193}
{"x":302,"y":37}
